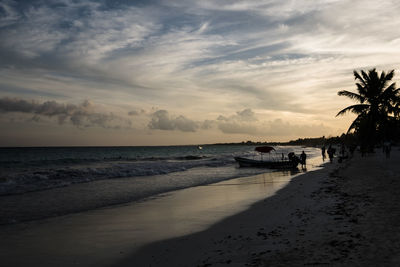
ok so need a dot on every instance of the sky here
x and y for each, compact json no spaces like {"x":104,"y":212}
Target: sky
{"x":172,"y":72}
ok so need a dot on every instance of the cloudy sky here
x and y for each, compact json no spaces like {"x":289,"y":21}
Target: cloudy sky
{"x":185,"y":72}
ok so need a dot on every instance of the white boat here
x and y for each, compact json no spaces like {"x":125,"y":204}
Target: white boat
{"x":291,"y":162}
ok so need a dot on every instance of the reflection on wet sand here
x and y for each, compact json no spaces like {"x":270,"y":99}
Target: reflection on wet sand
{"x":100,"y":237}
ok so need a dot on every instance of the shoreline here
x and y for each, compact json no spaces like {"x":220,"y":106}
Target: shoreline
{"x":87,"y":196}
{"x":83,"y":197}
{"x":239,"y":239}
{"x":104,"y":236}
{"x":341,"y":215}
{"x":345,"y":215}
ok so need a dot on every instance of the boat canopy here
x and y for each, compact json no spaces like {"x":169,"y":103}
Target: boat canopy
{"x":264,"y":149}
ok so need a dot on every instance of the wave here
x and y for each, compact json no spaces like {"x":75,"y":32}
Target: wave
{"x":50,"y":168}
{"x":63,"y":161}
{"x":45,"y":178}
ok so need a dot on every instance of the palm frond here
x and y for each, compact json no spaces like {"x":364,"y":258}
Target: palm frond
{"x":393,"y":110}
{"x":389,"y":92}
{"x":354,"y":124}
{"x":351,"y":95}
{"x":385,"y":78}
{"x":366,"y":77}
{"x":396,"y":110}
{"x":357,"y":109}
{"x":361,"y":90}
{"x":357,"y":76}
{"x":389,"y":76}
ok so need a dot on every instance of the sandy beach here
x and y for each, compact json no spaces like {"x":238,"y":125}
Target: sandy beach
{"x":342,"y":215}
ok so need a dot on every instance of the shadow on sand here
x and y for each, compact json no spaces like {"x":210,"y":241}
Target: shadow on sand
{"x":238,"y":239}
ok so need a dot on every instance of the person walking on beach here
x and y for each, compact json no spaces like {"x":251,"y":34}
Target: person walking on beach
{"x":303,"y":158}
{"x":331,"y":151}
{"x":386,"y":148}
{"x":323,"y":153}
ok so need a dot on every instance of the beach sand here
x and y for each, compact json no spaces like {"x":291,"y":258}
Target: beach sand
{"x":342,"y":215}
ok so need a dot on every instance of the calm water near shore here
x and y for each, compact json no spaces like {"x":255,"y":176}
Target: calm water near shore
{"x":101,"y":237}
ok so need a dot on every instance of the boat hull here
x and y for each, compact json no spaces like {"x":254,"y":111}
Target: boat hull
{"x":285,"y":164}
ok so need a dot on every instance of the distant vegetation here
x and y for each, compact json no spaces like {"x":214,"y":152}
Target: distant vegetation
{"x":315,"y":142}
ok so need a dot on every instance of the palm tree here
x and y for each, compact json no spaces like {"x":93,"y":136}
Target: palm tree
{"x":378,"y":107}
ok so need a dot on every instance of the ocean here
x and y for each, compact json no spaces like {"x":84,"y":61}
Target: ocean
{"x":156,"y":169}
{"x":94,"y":206}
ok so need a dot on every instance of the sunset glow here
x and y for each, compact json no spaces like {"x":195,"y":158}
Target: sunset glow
{"x":185,"y":72}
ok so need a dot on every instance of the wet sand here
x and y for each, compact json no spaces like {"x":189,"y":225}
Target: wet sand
{"x":105,"y":236}
{"x":344,"y":215}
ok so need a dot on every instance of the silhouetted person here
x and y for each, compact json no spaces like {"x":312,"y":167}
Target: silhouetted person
{"x":323,"y":152}
{"x":303,"y":158}
{"x":342,"y":150}
{"x":352,"y":149}
{"x":363,"y":150}
{"x":331,"y":151}
{"x":387,"y":147}
{"x":292,"y":157}
{"x":343,"y":153}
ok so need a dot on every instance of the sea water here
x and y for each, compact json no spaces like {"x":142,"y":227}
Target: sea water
{"x":156,"y":169}
{"x":103,"y":237}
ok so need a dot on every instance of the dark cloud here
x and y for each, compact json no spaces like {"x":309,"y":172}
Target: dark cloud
{"x":240,"y":123}
{"x":207,"y":124}
{"x":222,"y":118}
{"x":136,"y":112}
{"x":246,"y":115}
{"x":237,"y":128}
{"x":133,"y":113}
{"x":243,"y":122}
{"x":161,"y":120}
{"x":82,"y":115}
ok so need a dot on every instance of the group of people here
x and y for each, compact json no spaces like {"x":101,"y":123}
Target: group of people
{"x":344,"y":153}
{"x":331,"y":151}
{"x":302,"y":159}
